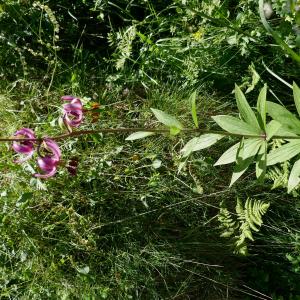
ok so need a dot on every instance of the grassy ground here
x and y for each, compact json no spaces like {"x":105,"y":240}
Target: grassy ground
{"x":129,"y":225}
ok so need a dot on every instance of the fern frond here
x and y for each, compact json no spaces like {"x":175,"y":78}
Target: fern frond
{"x":248,"y":219}
{"x":279,"y":175}
{"x":228,"y":225}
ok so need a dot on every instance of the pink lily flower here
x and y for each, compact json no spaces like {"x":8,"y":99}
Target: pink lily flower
{"x":73,"y":113}
{"x":48,"y":164}
{"x":24,"y":147}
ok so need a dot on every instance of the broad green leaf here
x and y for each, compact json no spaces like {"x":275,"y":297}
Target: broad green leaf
{"x":261,"y":162}
{"x":283,"y":116}
{"x":284,"y":153}
{"x":236,"y":126}
{"x":261,"y":107}
{"x":139,"y":135}
{"x":294,"y":178}
{"x":229,"y":156}
{"x":272,"y":128}
{"x":284,"y":132}
{"x":194,"y":109}
{"x":296,"y":92}
{"x":245,"y":110}
{"x":245,"y":158}
{"x":199,"y":143}
{"x":166,"y":119}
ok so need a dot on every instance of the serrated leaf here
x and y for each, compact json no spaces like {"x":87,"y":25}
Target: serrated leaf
{"x":199,"y":143}
{"x":284,"y":117}
{"x":194,"y":109}
{"x":296,"y":93}
{"x":261,"y":163}
{"x":139,"y":135}
{"x":262,"y":107}
{"x":166,"y":119}
{"x":283,"y":153}
{"x":236,"y":126}
{"x":229,"y":156}
{"x":272,"y":128}
{"x":245,"y":158}
{"x":245,"y":110}
{"x":294,"y":178}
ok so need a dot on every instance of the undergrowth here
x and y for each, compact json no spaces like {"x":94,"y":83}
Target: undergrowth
{"x":129,"y":225}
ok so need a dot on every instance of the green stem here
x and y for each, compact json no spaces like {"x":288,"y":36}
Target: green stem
{"x":275,"y":35}
{"x":128,"y":130}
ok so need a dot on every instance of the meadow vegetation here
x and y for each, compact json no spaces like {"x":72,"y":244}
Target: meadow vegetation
{"x":138,"y":221}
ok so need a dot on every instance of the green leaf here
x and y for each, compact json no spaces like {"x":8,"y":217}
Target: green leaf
{"x":296,"y":92}
{"x":194,"y":109}
{"x":245,"y":158}
{"x":288,"y":121}
{"x":245,"y":110}
{"x":139,"y":135}
{"x":272,"y":129}
{"x":174,"y":131}
{"x":236,"y":126}
{"x":283,"y":153}
{"x":229,"y":156}
{"x":261,"y":107}
{"x":255,"y":79}
{"x":199,"y":143}
{"x":166,"y":119}
{"x":294,"y":178}
{"x":261,"y":163}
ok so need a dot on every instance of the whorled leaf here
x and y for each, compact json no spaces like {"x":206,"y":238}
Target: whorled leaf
{"x":245,"y":157}
{"x":236,"y":126}
{"x":245,"y":110}
{"x":294,"y":178}
{"x":283,"y":153}
{"x":288,"y":120}
{"x":296,"y":93}
{"x":261,"y":107}
{"x":199,"y":143}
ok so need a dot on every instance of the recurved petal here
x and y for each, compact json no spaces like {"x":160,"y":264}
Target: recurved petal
{"x":54,"y":148}
{"x":26,"y":132}
{"x":68,"y":98}
{"x":23,"y":147}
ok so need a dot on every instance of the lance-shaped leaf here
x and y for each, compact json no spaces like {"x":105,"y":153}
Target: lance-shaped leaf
{"x":236,"y":126}
{"x":296,"y":92}
{"x":229,"y":156}
{"x":294,"y":178}
{"x":261,"y":162}
{"x":262,"y":107}
{"x":194,"y":109}
{"x":284,"y":117}
{"x":245,"y":158}
{"x":283,"y":153}
{"x":272,"y":128}
{"x":139,"y":135}
{"x":199,"y":143}
{"x":245,"y":110}
{"x":166,"y":119}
